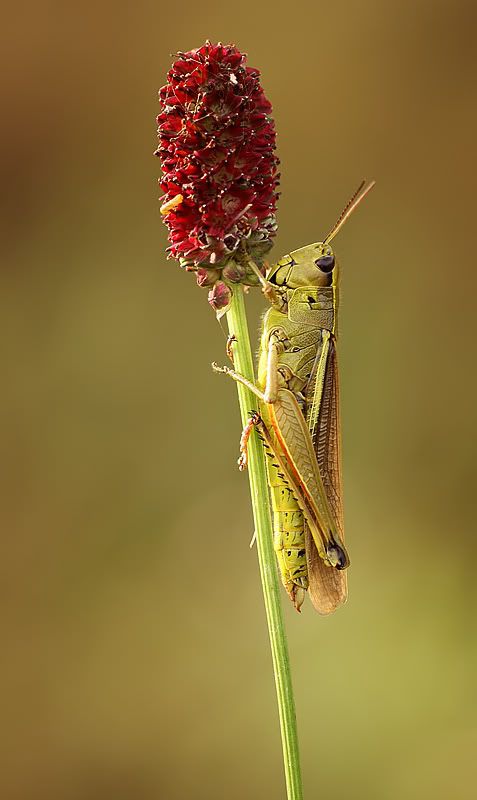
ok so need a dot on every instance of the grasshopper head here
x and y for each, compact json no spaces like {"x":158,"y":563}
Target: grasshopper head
{"x":313,"y":265}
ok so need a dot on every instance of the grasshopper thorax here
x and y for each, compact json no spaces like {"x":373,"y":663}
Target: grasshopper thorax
{"x":312,"y":265}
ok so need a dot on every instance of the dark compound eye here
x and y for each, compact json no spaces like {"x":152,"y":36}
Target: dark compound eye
{"x":325,"y":263}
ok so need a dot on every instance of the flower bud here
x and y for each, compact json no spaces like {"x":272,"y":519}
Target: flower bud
{"x":220,"y":297}
{"x":234,"y":272}
{"x":207,"y":277}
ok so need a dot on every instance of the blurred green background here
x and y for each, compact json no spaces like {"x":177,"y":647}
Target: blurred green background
{"x":135,"y":658}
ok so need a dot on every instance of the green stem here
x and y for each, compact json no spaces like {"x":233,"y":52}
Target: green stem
{"x":243,"y":363}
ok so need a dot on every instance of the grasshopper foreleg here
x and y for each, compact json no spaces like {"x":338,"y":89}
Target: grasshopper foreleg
{"x":239,"y":379}
{"x":275,"y":347}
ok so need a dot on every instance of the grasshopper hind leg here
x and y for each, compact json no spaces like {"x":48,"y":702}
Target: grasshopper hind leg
{"x":337,"y":557}
{"x":251,"y":424}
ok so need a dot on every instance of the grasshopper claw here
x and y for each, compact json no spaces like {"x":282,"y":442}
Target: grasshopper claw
{"x":216,"y":368}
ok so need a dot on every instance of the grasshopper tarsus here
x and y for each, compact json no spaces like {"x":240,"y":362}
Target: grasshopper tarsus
{"x":221,"y":370}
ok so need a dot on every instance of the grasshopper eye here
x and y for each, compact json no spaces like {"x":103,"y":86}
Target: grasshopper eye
{"x":325,"y":263}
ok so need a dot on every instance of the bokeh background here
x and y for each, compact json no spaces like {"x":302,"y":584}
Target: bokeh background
{"x":135,"y":658}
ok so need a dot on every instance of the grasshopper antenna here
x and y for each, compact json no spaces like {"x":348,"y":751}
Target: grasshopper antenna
{"x":350,"y":206}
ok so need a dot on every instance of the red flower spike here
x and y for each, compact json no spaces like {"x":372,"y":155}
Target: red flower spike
{"x":217,"y":151}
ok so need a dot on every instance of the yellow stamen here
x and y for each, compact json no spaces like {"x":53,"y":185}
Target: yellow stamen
{"x":176,"y":201}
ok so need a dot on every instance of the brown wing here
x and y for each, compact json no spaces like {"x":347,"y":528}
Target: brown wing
{"x":328,"y":587}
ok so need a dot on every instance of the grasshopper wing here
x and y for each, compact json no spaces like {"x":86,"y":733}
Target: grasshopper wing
{"x":328,"y":588}
{"x":298,"y":458}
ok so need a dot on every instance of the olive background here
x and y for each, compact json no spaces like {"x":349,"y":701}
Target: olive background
{"x":135,"y":657}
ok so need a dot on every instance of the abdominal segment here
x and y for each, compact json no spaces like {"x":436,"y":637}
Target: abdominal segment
{"x":288,"y":536}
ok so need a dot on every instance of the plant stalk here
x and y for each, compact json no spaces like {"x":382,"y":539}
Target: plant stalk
{"x":243,"y":363}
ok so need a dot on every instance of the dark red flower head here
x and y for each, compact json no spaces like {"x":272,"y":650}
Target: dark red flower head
{"x":217,"y":151}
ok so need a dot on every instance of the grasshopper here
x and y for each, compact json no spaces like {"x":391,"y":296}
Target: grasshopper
{"x":298,"y":419}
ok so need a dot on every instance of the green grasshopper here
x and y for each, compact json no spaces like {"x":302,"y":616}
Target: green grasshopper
{"x":298,"y":419}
